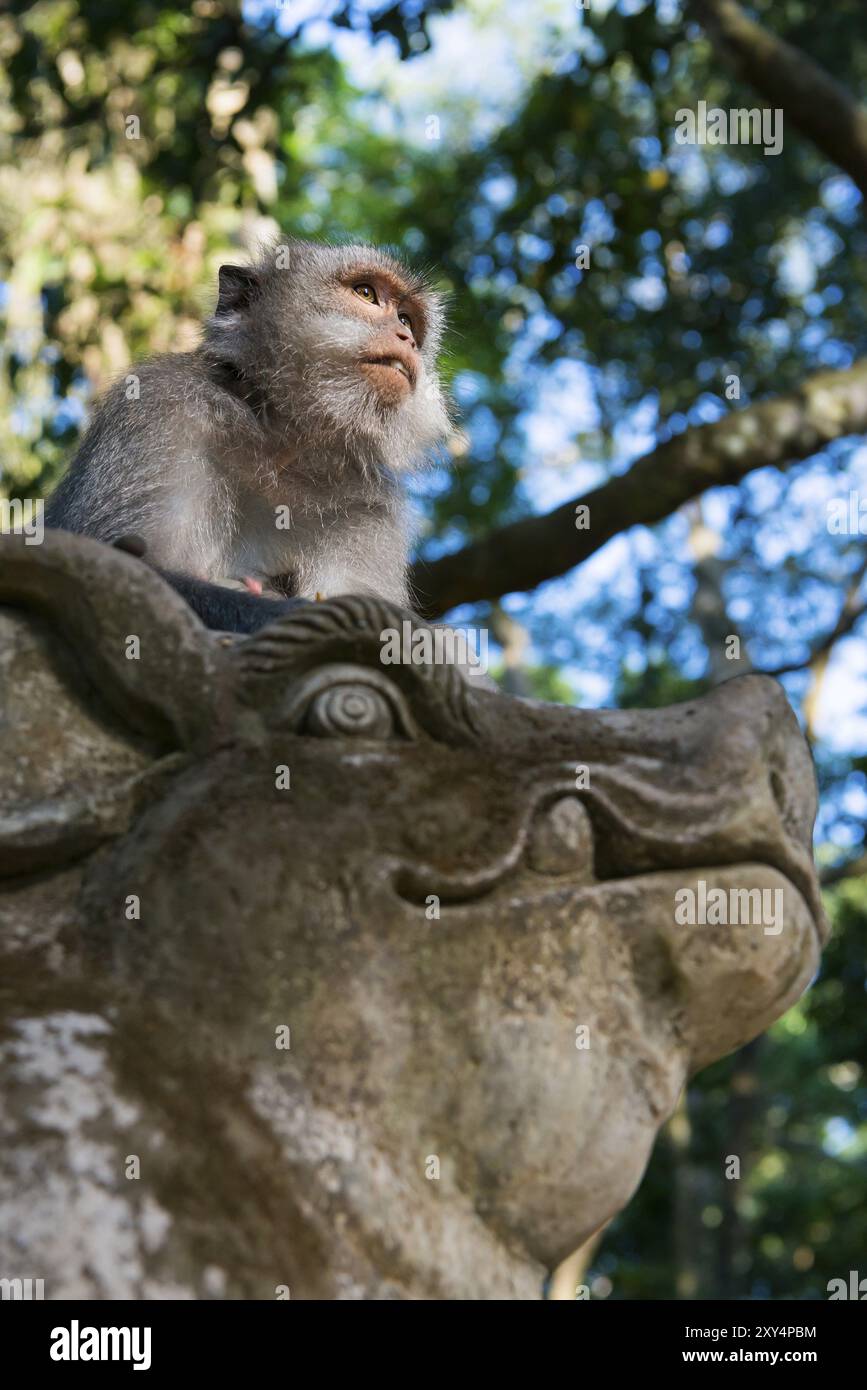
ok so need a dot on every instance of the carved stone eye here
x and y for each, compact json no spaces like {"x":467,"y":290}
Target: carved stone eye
{"x":350,"y":711}
{"x":347,"y":701}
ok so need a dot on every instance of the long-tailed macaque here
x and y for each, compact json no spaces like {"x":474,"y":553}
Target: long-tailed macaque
{"x":265,"y":465}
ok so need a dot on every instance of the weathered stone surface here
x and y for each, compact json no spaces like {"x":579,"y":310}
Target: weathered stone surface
{"x":412,"y":1039}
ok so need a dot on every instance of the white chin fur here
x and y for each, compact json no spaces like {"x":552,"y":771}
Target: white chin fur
{"x":398,"y":435}
{"x":327,"y":402}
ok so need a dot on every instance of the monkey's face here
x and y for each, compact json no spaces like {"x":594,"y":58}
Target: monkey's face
{"x":373,"y":335}
{"x":394,"y":317}
{"x":344,"y":342}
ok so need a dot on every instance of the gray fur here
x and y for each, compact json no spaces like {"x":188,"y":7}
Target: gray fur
{"x":270,"y":412}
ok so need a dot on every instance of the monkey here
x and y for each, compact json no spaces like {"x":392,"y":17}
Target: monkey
{"x":264,"y":468}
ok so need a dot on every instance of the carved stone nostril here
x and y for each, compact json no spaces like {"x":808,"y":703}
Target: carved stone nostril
{"x":561,"y":839}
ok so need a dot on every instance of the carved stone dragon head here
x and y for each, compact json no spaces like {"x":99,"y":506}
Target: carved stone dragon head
{"x":356,"y":979}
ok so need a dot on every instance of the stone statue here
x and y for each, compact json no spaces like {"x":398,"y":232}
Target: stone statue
{"x":324,"y":978}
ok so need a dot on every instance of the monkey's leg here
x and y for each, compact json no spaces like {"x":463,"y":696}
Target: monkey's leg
{"x":229,"y":610}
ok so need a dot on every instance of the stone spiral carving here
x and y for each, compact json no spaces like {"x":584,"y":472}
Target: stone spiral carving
{"x":356,"y":711}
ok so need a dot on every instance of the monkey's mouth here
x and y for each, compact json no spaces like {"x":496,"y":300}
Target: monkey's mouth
{"x":393,"y":364}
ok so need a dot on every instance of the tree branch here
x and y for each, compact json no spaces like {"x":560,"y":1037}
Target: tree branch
{"x":851,"y":611}
{"x":772,"y":433}
{"x":811,"y":100}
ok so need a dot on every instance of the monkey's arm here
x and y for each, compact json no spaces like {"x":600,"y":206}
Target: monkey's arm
{"x":229,"y":610}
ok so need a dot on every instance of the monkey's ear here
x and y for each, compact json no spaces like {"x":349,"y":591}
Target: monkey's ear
{"x":238,"y":283}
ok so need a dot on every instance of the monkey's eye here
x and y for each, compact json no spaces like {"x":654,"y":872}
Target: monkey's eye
{"x":366,"y":292}
{"x":406,"y":321}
